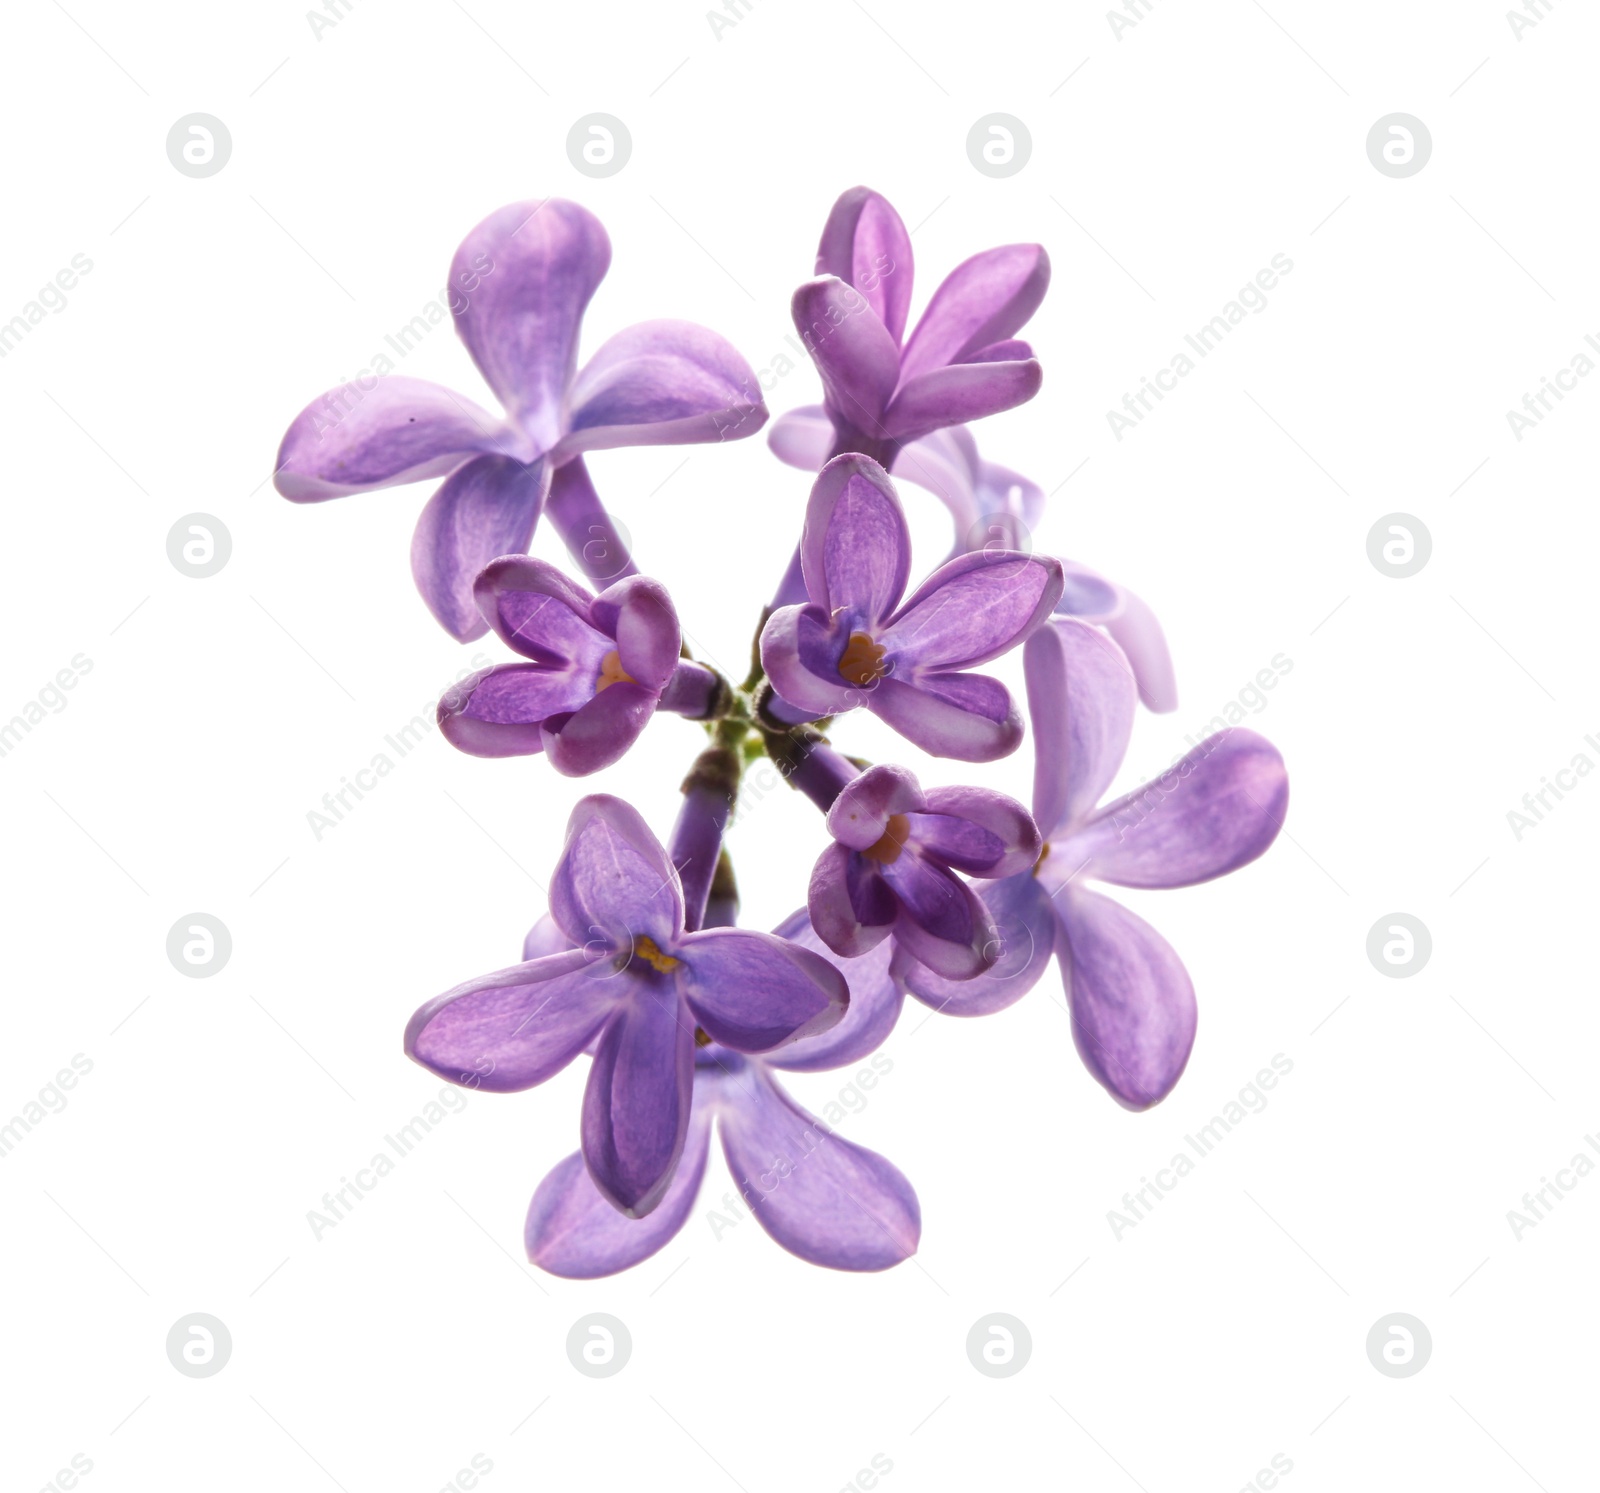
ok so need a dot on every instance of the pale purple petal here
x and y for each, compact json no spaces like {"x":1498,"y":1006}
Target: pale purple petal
{"x":636,"y":1105}
{"x":1081,"y":701}
{"x":984,"y":300}
{"x":400,"y":430}
{"x":866,"y":245}
{"x":534,"y":608}
{"x":600,"y":731}
{"x":973,"y":609}
{"x":825,"y":1199}
{"x":857,"y":359}
{"x":802,"y":438}
{"x":1216,"y":809}
{"x":856,"y":549}
{"x":875,"y":1001}
{"x":485,"y":508}
{"x":519,"y":284}
{"x":572,"y":1231}
{"x":962,"y":392}
{"x":753,"y":991}
{"x":860,"y":814}
{"x":662,"y":383}
{"x":1008,"y":841}
{"x":498,"y":713}
{"x":1025,"y":928}
{"x":1133,"y":1008}
{"x":1011,"y":350}
{"x":941,"y":922}
{"x":969,"y":717}
{"x":1139,"y":635}
{"x":800,"y":654}
{"x":515,"y":1028}
{"x":1088,"y":595}
{"x":945,"y":463}
{"x":614,"y":882}
{"x":832,"y":902}
{"x":641,"y":617}
{"x":545,"y":937}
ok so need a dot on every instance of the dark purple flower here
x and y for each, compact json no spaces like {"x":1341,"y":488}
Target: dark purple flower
{"x":892,"y":869}
{"x":960,"y":363}
{"x":632,"y":981}
{"x":993,"y":507}
{"x":1214,"y":810}
{"x":598,"y":667}
{"x":518,"y":287}
{"x":854,"y":643}
{"x":821,"y":1197}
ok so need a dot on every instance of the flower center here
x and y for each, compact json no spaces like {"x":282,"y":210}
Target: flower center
{"x":861,"y":663}
{"x":701,"y":1039}
{"x":612,"y":672}
{"x":645,"y":948}
{"x":887,"y":850}
{"x":1042,"y":854}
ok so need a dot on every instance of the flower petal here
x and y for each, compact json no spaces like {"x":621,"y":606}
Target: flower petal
{"x":1088,"y":595}
{"x":545,"y":937}
{"x":1216,"y":809}
{"x":498,"y":712}
{"x":800,"y":652}
{"x":945,"y":463}
{"x":984,"y":300}
{"x":979,"y":831}
{"x":515,"y":1028}
{"x":875,"y":1001}
{"x":401,"y":430}
{"x":825,"y":1199}
{"x":802,"y":437}
{"x":1081,"y":704}
{"x":535,"y":609}
{"x":1133,"y":1008}
{"x":572,"y":1231}
{"x":1139,"y":635}
{"x":640,"y":615}
{"x":854,"y":354}
{"x":636,"y":1106}
{"x":941,"y":922}
{"x":838,"y":921}
{"x":856,"y":549}
{"x":485,"y":508}
{"x":973,"y":609}
{"x":964,"y":391}
{"x":969,"y":717}
{"x":599,"y":732}
{"x":860,"y":814}
{"x":662,"y":383}
{"x":614,"y":883}
{"x":866,"y":245}
{"x":519,"y":284}
{"x":1025,"y":929}
{"x":754,"y":991}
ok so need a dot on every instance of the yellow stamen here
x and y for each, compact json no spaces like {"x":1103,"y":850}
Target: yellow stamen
{"x":612,"y":672}
{"x":887,"y":850}
{"x":1042,"y":854}
{"x":645,"y":948}
{"x":700,"y":1037}
{"x":861,"y":663}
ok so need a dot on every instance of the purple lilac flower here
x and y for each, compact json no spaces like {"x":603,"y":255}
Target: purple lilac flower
{"x":636,"y":981}
{"x":892,"y":869}
{"x":993,"y":507}
{"x":821,"y":1197}
{"x":881,"y":388}
{"x":598,"y":668}
{"x":1214,"y":810}
{"x":518,"y":287}
{"x":853,"y":642}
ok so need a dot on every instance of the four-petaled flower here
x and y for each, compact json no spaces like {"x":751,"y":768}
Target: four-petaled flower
{"x":892,"y":869}
{"x":960,"y":363}
{"x":853,"y":643}
{"x":634,"y":983}
{"x":599,"y":667}
{"x":992,"y":507}
{"x":1214,"y":810}
{"x":820,"y":1196}
{"x":518,"y":287}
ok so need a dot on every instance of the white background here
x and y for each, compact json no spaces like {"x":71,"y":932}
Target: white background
{"x":1173,"y":165}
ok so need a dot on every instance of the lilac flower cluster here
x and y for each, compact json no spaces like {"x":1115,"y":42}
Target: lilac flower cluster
{"x":958,"y":897}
